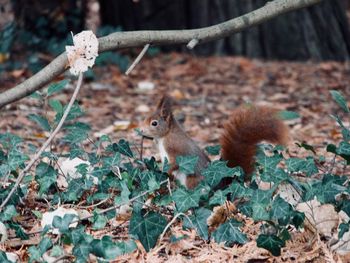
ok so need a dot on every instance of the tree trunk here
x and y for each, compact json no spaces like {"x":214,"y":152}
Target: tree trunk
{"x":319,"y":32}
{"x":45,"y":19}
{"x":6,"y":14}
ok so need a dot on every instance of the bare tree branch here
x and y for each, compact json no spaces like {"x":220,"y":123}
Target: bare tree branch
{"x":164,"y":37}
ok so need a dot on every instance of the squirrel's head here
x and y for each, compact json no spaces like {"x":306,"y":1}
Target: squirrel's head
{"x":158,"y":124}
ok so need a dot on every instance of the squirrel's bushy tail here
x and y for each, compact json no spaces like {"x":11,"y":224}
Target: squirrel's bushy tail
{"x":247,"y":126}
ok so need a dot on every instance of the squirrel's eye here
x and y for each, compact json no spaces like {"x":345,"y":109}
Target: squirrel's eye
{"x":154,"y":123}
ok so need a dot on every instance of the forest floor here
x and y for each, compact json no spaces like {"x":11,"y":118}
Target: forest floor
{"x":205,"y":91}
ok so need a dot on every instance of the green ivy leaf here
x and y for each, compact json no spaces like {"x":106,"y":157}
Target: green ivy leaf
{"x":153,"y":184}
{"x":108,"y":249}
{"x":260,"y":211}
{"x":346,"y":207}
{"x":44,"y":245}
{"x":328,"y":191}
{"x":81,"y":251}
{"x":76,"y":151}
{"x":34,"y":254}
{"x":346,"y":134}
{"x":284,"y":234}
{"x":46,"y":176}
{"x":237,"y":190}
{"x":75,"y":190}
{"x":19,"y":230}
{"x":124,"y":195}
{"x":278,"y":175}
{"x":213,"y":150}
{"x":185,"y":199}
{"x":125,"y":247}
{"x":9,"y":140}
{"x":63,"y":223}
{"x":2,"y":156}
{"x":307,"y":165}
{"x":74,"y":112}
{"x":15,"y":159}
{"x":218,"y":198}
{"x":3,"y":258}
{"x":41,"y":121}
{"x":281,"y":210}
{"x":56,"y":251}
{"x":75,"y":137}
{"x":270,"y":242}
{"x":343,"y":228}
{"x":187,"y":163}
{"x":268,"y":163}
{"x":166,"y":166}
{"x":288,"y":115}
{"x":112,"y":161}
{"x":57,"y":106}
{"x":57,"y":86}
{"x":229,"y":232}
{"x":123,"y":147}
{"x":298,"y":219}
{"x":260,"y":203}
{"x":36,"y":95}
{"x":216,"y":171}
{"x":4,"y":170}
{"x":344,"y":148}
{"x":78,"y":235}
{"x":100,"y":221}
{"x":340,"y":100}
{"x":199,"y":221}
{"x":147,"y":228}
{"x":37,"y":251}
{"x":9,"y":213}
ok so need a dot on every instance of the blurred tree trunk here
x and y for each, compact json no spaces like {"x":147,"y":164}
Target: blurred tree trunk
{"x":319,"y":32}
{"x":92,"y":15}
{"x":6,"y":13}
{"x":45,"y":19}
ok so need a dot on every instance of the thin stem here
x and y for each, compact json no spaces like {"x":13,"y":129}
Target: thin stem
{"x":137,"y":60}
{"x":172,"y":222}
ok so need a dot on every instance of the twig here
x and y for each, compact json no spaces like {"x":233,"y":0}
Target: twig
{"x":169,"y":187}
{"x":332,"y":165}
{"x":137,"y":60}
{"x":62,"y":257}
{"x":168,"y":225}
{"x":48,"y":141}
{"x":163,"y":37}
{"x":172,"y":222}
{"x":93,"y":205}
{"x":192,"y":43}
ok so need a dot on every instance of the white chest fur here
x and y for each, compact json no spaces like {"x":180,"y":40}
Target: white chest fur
{"x":162,"y":151}
{"x":181,"y":177}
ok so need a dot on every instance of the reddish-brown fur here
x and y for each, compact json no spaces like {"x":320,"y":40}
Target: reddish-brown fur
{"x":246,"y":127}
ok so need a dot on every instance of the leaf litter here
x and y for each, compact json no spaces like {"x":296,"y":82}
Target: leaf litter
{"x":206,"y":90}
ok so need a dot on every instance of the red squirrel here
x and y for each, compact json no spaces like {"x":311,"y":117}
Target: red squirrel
{"x":245,"y":127}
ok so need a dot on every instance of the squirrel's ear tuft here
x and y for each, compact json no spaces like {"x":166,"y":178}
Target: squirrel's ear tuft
{"x":164,"y":106}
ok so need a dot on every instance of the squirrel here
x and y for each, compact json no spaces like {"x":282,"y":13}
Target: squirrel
{"x":245,"y":127}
